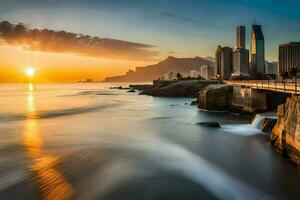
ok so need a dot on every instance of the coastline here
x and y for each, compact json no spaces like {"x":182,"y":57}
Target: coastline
{"x":217,"y":97}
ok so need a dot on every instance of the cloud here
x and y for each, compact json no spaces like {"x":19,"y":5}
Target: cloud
{"x":46,"y":40}
{"x":173,"y":16}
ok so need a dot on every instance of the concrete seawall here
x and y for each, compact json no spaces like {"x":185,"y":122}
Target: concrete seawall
{"x":248,"y":100}
{"x":237,"y":98}
{"x":214,"y":97}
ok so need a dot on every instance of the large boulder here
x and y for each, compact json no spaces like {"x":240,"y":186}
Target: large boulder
{"x":214,"y":97}
{"x":285,"y":135}
{"x":267,"y":125}
{"x":265,"y":121}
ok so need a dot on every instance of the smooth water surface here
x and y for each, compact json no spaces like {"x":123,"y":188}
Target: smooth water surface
{"x":85,"y":141}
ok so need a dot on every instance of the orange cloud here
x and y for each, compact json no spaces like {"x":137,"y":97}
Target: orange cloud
{"x":65,"y":42}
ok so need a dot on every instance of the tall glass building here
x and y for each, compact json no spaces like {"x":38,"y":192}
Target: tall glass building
{"x":240,"y":54}
{"x":257,"y":51}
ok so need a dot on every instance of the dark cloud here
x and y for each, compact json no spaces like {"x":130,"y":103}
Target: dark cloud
{"x":173,"y":16}
{"x":46,"y":40}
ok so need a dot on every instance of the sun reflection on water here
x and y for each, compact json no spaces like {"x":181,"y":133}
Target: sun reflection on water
{"x":52,"y":184}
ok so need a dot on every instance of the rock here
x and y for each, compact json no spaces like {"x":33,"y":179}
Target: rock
{"x":194,"y":103}
{"x":214,"y":97}
{"x":141,"y":87}
{"x":285,"y":135}
{"x":209,"y":124}
{"x":267,"y":125}
{"x":120,"y":88}
{"x":185,"y":88}
{"x":265,"y":121}
{"x":131,"y":90}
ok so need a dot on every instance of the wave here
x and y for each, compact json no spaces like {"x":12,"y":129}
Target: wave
{"x":53,"y":113}
{"x":97,"y":92}
{"x":160,"y":118}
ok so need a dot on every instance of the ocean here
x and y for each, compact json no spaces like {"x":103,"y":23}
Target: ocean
{"x":86,"y":141}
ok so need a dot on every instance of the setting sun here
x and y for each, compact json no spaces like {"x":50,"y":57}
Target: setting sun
{"x":30,"y":72}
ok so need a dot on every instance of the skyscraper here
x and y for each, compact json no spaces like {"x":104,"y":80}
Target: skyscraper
{"x":257,"y":50}
{"x":223,"y":63}
{"x":240,"y":37}
{"x":240,"y":54}
{"x":240,"y":62}
{"x":289,"y":56}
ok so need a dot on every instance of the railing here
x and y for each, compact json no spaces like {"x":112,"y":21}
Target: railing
{"x":274,"y":85}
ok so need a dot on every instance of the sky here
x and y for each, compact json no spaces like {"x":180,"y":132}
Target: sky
{"x":119,"y":35}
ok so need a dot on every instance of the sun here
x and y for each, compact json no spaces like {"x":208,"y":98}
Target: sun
{"x":30,"y":72}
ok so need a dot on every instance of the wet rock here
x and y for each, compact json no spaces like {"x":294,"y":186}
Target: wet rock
{"x":267,"y":125}
{"x":141,"y":87}
{"x":131,"y":90}
{"x":209,"y":124}
{"x":194,"y":103}
{"x":119,"y":88}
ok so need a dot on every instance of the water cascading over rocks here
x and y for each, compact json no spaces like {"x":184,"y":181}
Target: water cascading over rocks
{"x":264,"y":122}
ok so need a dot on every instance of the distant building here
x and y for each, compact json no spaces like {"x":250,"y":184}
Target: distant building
{"x":194,"y":74}
{"x":257,"y":50}
{"x":207,"y":72}
{"x":289,"y":56}
{"x":223,"y":63}
{"x":169,"y":76}
{"x":240,"y":37}
{"x":240,"y":54}
{"x":271,"y":68}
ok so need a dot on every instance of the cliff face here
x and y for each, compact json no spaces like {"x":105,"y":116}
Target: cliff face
{"x":285,"y":136}
{"x":152,"y":72}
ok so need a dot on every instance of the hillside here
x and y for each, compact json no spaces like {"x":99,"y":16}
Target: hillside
{"x":151,"y":72}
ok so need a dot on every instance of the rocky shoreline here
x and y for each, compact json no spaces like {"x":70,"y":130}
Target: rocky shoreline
{"x":215,"y":96}
{"x":182,"y":88}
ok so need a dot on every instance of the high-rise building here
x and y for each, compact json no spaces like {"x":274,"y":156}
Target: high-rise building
{"x":289,"y":56}
{"x":240,"y":37}
{"x":257,"y":50}
{"x":218,"y":60}
{"x":223,"y":63}
{"x":240,"y":54}
{"x":240,"y":62}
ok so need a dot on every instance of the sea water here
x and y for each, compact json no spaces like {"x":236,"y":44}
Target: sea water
{"x":86,"y":141}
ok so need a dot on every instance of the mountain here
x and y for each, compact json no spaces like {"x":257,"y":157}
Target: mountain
{"x":151,"y":72}
{"x":211,"y":59}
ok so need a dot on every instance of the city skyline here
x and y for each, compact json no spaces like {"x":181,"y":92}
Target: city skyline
{"x":189,"y":29}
